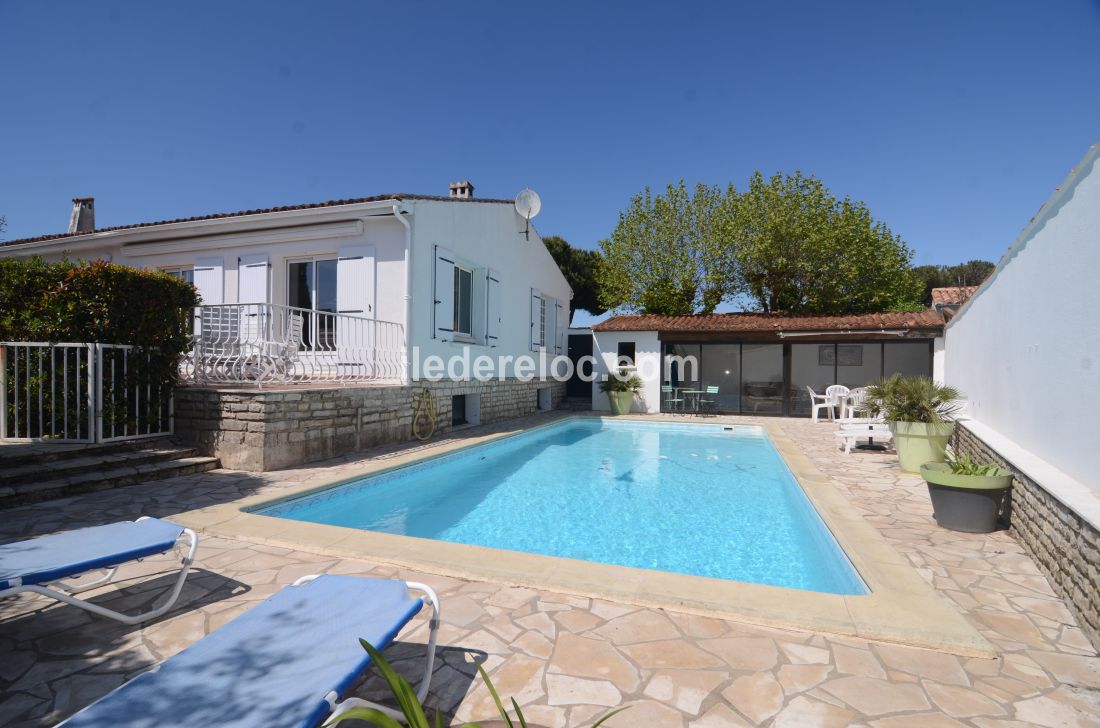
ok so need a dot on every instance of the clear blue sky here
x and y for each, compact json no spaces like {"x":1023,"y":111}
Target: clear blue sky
{"x":953,"y":121}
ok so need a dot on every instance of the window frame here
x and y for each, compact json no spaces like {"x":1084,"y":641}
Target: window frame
{"x":458,"y":333}
{"x":313,"y":337}
{"x":178,"y":271}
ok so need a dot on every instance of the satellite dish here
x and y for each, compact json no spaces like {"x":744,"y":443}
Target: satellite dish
{"x":528,"y":205}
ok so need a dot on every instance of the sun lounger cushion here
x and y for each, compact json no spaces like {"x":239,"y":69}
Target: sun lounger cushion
{"x":272,"y":666}
{"x":60,"y":555}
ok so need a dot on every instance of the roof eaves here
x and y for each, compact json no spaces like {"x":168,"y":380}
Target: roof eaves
{"x":399,"y":196}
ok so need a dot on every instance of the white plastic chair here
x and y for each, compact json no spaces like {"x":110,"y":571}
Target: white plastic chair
{"x":819,"y":405}
{"x":835,"y":394}
{"x":857,"y":402}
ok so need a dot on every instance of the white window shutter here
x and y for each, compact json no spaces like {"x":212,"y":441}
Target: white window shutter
{"x":493,"y":308}
{"x":209,"y":275}
{"x":560,"y":314}
{"x":550,"y":335}
{"x":253,"y":278}
{"x":444,"y":302}
{"x":355,"y":281}
{"x":536,"y":312}
{"x":210,"y":279}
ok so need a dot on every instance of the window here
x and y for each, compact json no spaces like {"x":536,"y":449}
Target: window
{"x":464,"y":301}
{"x":458,"y":410}
{"x":626,"y":352}
{"x":311,"y":284}
{"x":185,"y":274}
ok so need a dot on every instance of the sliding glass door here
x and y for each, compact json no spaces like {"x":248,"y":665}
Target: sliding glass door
{"x":776,"y":379}
{"x":311,"y":284}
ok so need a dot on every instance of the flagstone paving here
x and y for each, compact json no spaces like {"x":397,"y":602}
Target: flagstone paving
{"x":568,"y":659}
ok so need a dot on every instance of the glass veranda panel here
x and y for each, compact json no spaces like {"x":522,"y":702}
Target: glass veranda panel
{"x":721,"y":367}
{"x":762,"y":379}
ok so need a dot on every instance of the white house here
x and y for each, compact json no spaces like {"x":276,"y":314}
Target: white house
{"x":448,"y":273}
{"x":349,"y":300}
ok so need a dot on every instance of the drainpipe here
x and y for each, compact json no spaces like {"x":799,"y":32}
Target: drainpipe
{"x":408,"y":289}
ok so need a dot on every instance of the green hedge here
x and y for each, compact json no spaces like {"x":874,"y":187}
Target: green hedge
{"x":94,"y":302}
{"x":99,"y":303}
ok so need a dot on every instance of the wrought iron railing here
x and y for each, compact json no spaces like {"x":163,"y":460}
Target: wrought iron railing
{"x":266,"y":343}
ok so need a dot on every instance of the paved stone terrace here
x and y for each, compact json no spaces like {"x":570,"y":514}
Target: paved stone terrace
{"x":567,"y":659}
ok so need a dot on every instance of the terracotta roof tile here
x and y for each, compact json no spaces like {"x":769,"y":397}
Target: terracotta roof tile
{"x":285,"y":208}
{"x":952,"y":295}
{"x":774,"y":322}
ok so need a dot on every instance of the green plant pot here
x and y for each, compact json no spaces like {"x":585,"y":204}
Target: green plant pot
{"x":968,"y":503}
{"x":621,"y":402}
{"x":918,"y":443}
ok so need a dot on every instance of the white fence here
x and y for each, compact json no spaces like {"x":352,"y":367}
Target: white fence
{"x":265,"y":343}
{"x":78,"y":392}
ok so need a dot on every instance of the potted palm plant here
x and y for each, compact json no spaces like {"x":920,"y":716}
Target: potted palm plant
{"x":966,"y":495}
{"x":620,"y":388}
{"x":919,"y":412}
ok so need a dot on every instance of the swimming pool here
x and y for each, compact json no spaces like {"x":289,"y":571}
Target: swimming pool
{"x":704,"y":500}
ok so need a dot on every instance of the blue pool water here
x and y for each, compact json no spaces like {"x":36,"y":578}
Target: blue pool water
{"x":690,"y":499}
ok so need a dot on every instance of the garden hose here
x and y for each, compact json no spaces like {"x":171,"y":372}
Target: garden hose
{"x":424,"y":416}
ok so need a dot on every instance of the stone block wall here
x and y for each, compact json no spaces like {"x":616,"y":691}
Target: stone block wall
{"x":260,"y":430}
{"x":1065,"y":546}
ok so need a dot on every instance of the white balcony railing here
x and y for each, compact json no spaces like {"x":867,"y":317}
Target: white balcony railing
{"x":265,"y":343}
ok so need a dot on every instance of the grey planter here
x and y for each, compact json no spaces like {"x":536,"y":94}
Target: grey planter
{"x":967,"y":503}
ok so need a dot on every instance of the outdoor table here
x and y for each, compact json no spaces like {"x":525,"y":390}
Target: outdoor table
{"x":870,"y":423}
{"x":695,"y":397}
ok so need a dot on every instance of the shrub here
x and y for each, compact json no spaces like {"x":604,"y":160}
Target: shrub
{"x":621,"y":381}
{"x":99,"y":303}
{"x":94,"y":302}
{"x":913,"y":399}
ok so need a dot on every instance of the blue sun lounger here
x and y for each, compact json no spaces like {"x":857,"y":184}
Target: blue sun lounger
{"x":285,"y":663}
{"x":40,"y":565}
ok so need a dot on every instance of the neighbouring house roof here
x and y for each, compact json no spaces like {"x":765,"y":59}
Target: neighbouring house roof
{"x":240,"y":213}
{"x":927,"y":320}
{"x":952,"y":295}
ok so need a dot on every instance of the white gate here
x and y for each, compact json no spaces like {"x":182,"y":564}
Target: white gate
{"x":77,"y":392}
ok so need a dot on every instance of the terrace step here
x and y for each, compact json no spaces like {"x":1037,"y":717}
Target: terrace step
{"x":97,"y":468}
{"x":16,"y":453}
{"x":576,"y":404}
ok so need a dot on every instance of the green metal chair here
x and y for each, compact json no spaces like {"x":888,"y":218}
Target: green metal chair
{"x":710,"y":401}
{"x":669,"y":400}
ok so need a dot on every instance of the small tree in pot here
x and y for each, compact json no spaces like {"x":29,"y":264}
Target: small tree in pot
{"x":920,"y":413}
{"x":620,"y":388}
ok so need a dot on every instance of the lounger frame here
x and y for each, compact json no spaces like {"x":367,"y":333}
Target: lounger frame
{"x":64,"y":592}
{"x":339,"y":707}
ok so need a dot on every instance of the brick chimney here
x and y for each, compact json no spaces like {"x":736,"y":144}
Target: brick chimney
{"x":83,"y":219}
{"x":463,"y":189}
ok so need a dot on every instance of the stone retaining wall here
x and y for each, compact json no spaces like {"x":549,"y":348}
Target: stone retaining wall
{"x":1064,"y":545}
{"x":259,"y":430}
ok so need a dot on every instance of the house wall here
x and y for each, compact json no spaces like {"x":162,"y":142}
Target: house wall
{"x":484,"y":236}
{"x":605,"y":348}
{"x":1025,"y":349}
{"x":1059,"y":532}
{"x":259,"y":430}
{"x":939,"y":358}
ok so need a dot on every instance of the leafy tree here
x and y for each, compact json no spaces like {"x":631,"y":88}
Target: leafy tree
{"x":802,"y":250}
{"x":970,"y":273}
{"x":670,"y":253}
{"x":579,"y":267}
